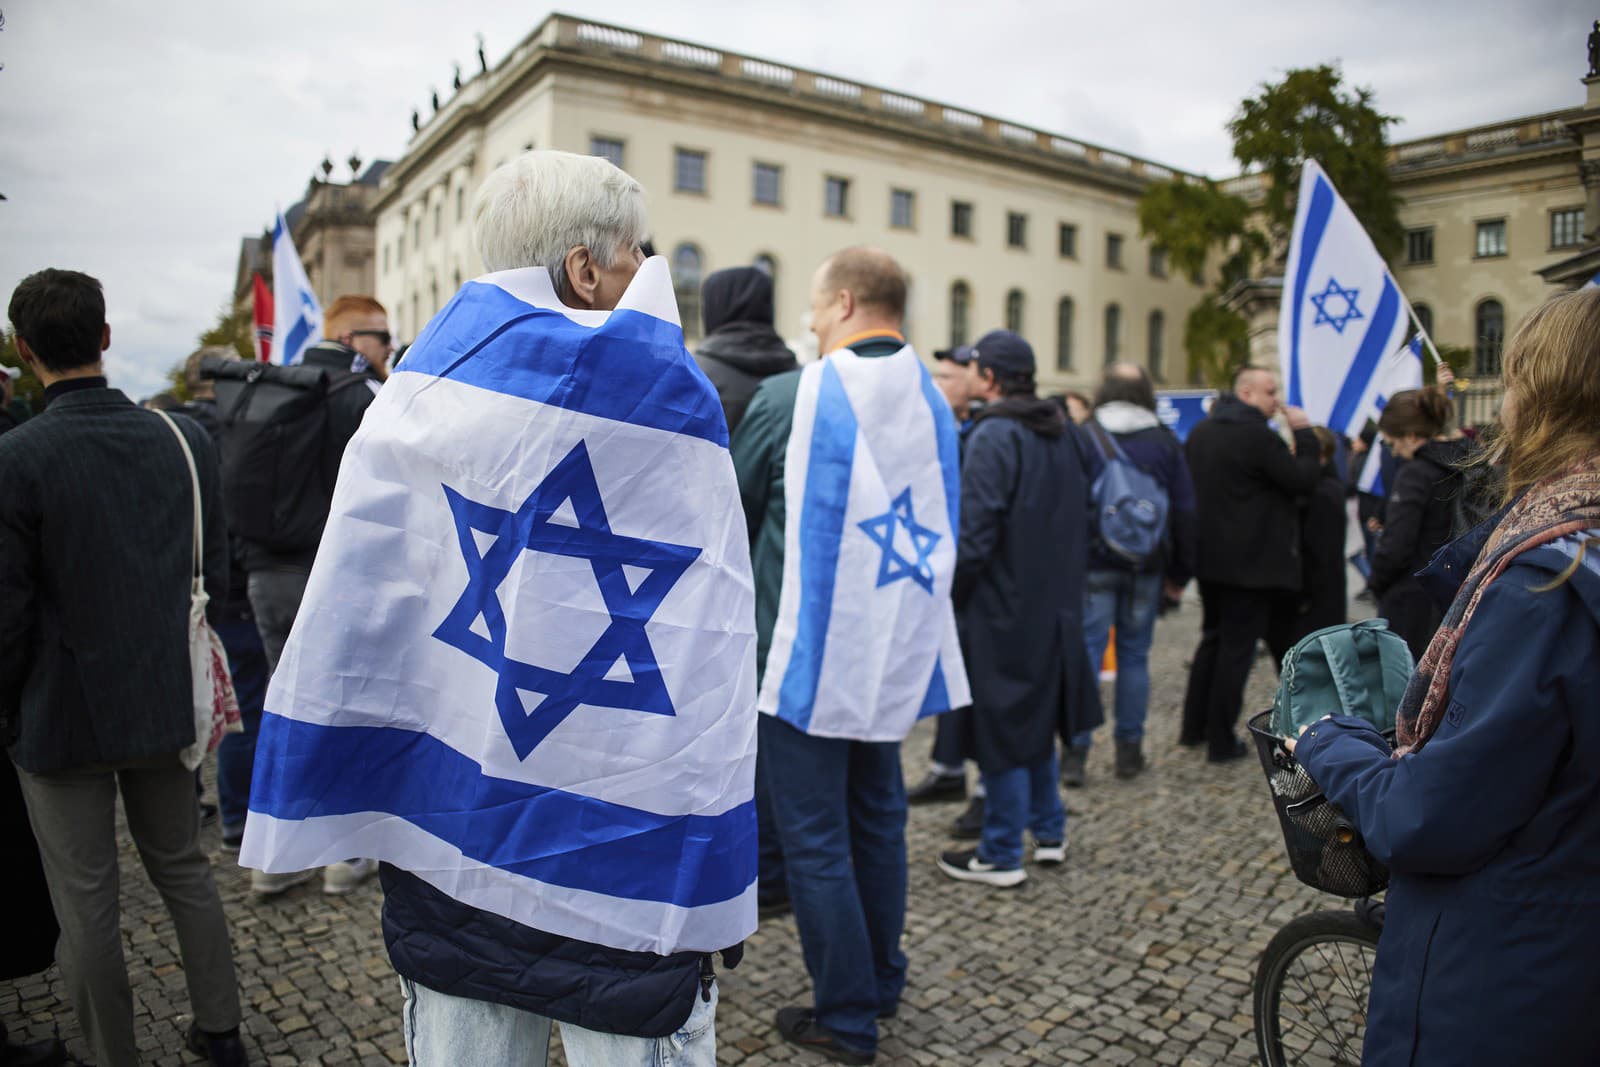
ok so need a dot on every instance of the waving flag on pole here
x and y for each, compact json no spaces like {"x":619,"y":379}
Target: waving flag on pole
{"x":1342,"y":312}
{"x":1400,"y":371}
{"x":263,"y":318}
{"x":865,"y":639}
{"x":524,"y":669}
{"x":297,"y":321}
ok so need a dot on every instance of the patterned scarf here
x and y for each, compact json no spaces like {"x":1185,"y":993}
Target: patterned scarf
{"x":1565,"y":504}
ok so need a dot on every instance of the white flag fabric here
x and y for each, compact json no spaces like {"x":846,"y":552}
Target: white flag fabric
{"x":524,"y":668}
{"x":297,"y":317}
{"x":1341,"y":314}
{"x":1400,"y":371}
{"x":865,"y":638}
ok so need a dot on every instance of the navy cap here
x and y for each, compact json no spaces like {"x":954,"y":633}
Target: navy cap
{"x":1004,"y":351}
{"x":960,"y":355}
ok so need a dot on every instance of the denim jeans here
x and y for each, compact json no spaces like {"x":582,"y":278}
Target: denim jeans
{"x":1021,"y":796}
{"x":236,"y":755}
{"x":446,"y":1031}
{"x":840,"y":807}
{"x":1129,"y":601}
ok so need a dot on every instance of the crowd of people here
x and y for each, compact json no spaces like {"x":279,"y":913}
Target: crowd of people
{"x":1080,"y":521}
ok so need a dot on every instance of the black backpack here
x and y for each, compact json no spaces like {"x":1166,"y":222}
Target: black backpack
{"x":279,"y":462}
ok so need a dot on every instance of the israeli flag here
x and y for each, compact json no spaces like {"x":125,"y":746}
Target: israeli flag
{"x":1342,"y":312}
{"x":297,"y":316}
{"x":865,"y":639}
{"x":524,"y":668}
{"x":1400,"y":371}
{"x":1592,"y":282}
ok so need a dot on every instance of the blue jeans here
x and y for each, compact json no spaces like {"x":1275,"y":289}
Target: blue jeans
{"x":840,"y":807}
{"x":446,"y":1031}
{"x":1129,"y":601}
{"x":236,"y":754}
{"x":1021,"y":796}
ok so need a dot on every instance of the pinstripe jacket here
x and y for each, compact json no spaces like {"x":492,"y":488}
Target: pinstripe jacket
{"x":95,"y":559}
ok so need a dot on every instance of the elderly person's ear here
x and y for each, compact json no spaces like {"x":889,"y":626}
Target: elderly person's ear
{"x":583,"y":277}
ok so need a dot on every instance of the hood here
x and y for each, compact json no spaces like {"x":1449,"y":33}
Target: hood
{"x":1446,"y":454}
{"x":1119,"y":416}
{"x":1043,"y":417}
{"x":739,"y":294}
{"x":1229,"y":408}
{"x":752,"y":347}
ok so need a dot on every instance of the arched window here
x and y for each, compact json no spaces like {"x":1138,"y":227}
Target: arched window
{"x":1157,"y":353}
{"x":1064,"y":334}
{"x":687,"y":268}
{"x":1491,"y":323}
{"x":1113,"y":332}
{"x":1014,"y":305}
{"x":1424,"y":316}
{"x":960,"y":304}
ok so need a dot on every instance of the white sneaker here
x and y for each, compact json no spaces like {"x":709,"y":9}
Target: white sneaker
{"x":346,"y":875}
{"x":965,"y":866}
{"x":1050,"y":852}
{"x":263,"y":884}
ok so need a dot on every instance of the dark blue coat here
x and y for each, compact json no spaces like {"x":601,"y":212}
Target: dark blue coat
{"x":1491,"y":950}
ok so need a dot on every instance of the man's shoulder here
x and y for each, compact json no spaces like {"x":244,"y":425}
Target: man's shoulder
{"x":776,"y":396}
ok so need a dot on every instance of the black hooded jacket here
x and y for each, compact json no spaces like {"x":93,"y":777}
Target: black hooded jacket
{"x":740,"y":347}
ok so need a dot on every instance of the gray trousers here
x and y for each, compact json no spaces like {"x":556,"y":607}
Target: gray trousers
{"x":275,"y":600}
{"x":73,"y":814}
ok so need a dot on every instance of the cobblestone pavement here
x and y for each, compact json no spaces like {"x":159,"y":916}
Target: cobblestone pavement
{"x":1139,"y":950}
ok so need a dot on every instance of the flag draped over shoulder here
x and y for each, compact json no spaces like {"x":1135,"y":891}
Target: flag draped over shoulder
{"x":524,"y":668}
{"x":1341,"y":314}
{"x":865,"y":639}
{"x":297,"y":317}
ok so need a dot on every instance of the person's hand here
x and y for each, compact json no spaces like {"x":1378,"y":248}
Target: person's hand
{"x":1290,"y":742}
{"x":1443,"y":374}
{"x":1374,"y":526}
{"x":1296,"y":417}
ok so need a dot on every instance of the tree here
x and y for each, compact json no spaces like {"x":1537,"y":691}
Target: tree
{"x":1308,"y":115}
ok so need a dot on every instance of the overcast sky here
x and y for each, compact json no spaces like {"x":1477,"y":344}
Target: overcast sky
{"x":139,"y":142}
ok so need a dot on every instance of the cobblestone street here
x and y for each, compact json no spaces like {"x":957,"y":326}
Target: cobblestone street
{"x":1138,"y":950}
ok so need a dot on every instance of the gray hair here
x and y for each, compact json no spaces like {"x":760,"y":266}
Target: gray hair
{"x":532,"y":211}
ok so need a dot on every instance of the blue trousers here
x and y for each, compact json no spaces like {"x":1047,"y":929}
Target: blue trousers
{"x":1129,"y":601}
{"x":1022,"y":797}
{"x":236,"y":754}
{"x":840,"y":809}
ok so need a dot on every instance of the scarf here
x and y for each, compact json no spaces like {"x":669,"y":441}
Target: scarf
{"x":1564,"y":504}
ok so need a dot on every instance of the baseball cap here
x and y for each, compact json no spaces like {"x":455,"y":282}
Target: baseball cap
{"x":1004,"y":351}
{"x":960,"y":354}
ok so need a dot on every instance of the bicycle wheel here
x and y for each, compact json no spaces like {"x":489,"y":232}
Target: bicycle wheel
{"x":1311,"y":990}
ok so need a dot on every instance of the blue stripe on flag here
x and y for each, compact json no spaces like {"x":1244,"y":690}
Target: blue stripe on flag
{"x":948,"y":436}
{"x":305,"y":770}
{"x":1374,"y":346}
{"x":616,"y":371}
{"x":822,"y":515}
{"x":299,"y":333}
{"x":1317,"y":216}
{"x":937,"y":701}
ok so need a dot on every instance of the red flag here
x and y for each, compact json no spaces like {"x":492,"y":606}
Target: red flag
{"x":263,"y":319}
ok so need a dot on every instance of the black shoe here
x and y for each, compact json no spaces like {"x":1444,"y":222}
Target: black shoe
{"x":49,"y":1053}
{"x":232,"y":840}
{"x":1237,"y":749}
{"x":799,"y":1026}
{"x":1130,"y":759}
{"x":938,"y":787}
{"x":965,"y":865}
{"x":969,"y":824}
{"x":1072,"y":767}
{"x":208,"y":811}
{"x":1191,"y":742}
{"x":223,"y":1050}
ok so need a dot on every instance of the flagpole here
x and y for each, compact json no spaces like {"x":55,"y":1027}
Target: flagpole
{"x":1437,"y":359}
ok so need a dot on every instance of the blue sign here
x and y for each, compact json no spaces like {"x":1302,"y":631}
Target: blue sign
{"x":1181,"y":411}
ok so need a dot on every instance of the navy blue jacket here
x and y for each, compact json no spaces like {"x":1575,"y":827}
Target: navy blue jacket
{"x":1492,"y":832}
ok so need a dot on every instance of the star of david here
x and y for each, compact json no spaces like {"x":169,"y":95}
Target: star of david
{"x":894,"y":566}
{"x":1324,"y":315}
{"x":565,"y":516}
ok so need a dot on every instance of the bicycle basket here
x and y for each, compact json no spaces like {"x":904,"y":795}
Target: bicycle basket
{"x":1325,"y":850}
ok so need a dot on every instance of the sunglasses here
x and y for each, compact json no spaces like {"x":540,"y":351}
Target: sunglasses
{"x":381,"y":336}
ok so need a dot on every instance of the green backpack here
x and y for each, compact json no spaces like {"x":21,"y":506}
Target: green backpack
{"x":1358,"y":669}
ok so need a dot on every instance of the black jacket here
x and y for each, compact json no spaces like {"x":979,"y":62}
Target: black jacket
{"x":1247,"y":484}
{"x":1418,"y":513}
{"x":1018,"y":588}
{"x":95,"y":563}
{"x":740,"y":348}
{"x":1324,"y":599}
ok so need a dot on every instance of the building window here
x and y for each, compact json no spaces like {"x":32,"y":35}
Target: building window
{"x":386,"y":259}
{"x":1113,"y":332}
{"x":1158,"y":262}
{"x":689,"y":171}
{"x":960,"y":305}
{"x":1114,"y":251}
{"x":416,"y":231}
{"x":767,"y":179}
{"x":400,"y":247}
{"x":960,"y":218}
{"x":1064,"y":334}
{"x":438,"y":219}
{"x":1492,"y":238}
{"x":461,"y":203}
{"x":768,"y":266}
{"x":1067,"y":241}
{"x":1157,"y":356}
{"x":836,"y":197}
{"x":1016,"y":230}
{"x":1424,"y":315}
{"x":1419,"y":245}
{"x":608,"y":149}
{"x":1566,"y":228}
{"x":1014,"y":304}
{"x":1491,"y":323}
{"x":902,"y":203}
{"x":687,"y":269}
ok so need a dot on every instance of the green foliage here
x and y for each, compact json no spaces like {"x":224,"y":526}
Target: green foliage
{"x":1457,"y":357}
{"x":177,"y":383}
{"x":1217,"y":341}
{"x":28,"y":389}
{"x":232,"y":329}
{"x":1193,"y":220}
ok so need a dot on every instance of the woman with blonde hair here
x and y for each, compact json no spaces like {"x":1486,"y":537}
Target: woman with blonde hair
{"x":1487,"y":813}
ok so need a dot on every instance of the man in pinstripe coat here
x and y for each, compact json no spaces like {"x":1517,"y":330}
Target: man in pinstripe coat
{"x":96,"y":526}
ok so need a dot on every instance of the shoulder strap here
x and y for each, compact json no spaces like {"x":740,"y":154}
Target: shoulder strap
{"x":1344,"y":666}
{"x":1108,"y":444}
{"x":194,"y":485}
